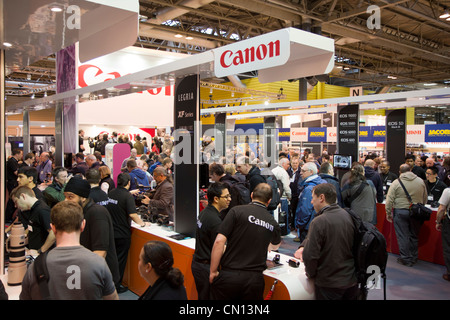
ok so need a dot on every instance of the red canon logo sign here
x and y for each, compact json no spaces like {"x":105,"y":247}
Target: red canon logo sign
{"x":299,"y":133}
{"x":84,"y":80}
{"x":248,"y":55}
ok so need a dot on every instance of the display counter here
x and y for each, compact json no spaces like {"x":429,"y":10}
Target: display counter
{"x":430,"y":243}
{"x":290,"y":283}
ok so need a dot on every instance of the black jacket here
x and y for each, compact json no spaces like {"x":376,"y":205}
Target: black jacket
{"x":161,"y":290}
{"x":254,"y":178}
{"x":374,"y":176}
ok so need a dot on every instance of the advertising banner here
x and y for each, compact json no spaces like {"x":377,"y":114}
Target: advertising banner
{"x":186,"y":115}
{"x":299,"y":134}
{"x":317,"y":134}
{"x":437,"y":133}
{"x":284,"y":134}
{"x":396,"y":138}
{"x":378,"y":133}
{"x":331,"y":134}
{"x":365,"y":134}
{"x":415,"y":133}
{"x":347,"y":132}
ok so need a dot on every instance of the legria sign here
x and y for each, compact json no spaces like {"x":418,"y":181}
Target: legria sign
{"x":265,"y":51}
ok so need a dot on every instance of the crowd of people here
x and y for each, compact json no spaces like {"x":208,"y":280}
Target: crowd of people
{"x":238,"y":209}
{"x":77,"y":212}
{"x":315,"y":198}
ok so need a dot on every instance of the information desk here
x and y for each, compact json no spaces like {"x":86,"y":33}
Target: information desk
{"x":292,"y":283}
{"x":430,"y":242}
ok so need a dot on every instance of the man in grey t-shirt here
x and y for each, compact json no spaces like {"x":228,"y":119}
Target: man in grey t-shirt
{"x":75,"y":273}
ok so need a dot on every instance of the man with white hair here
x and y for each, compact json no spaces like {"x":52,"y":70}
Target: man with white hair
{"x":133,"y":156}
{"x":305,"y":210}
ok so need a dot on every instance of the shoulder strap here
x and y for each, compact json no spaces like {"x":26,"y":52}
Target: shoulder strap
{"x":42,"y":275}
{"x":358,"y":192}
{"x":406,"y":191}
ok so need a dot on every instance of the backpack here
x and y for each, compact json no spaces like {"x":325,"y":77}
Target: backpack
{"x":370,"y":254}
{"x":277,"y":189}
{"x":241,"y":191}
{"x":42,"y":275}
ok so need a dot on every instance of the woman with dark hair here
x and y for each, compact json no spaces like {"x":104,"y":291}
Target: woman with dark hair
{"x":156,"y":145}
{"x":156,"y":267}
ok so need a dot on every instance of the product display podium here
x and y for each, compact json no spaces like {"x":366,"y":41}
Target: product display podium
{"x":291,"y":283}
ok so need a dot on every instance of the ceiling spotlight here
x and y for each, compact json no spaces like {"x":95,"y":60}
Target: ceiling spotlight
{"x":178,"y":35}
{"x":189,"y":38}
{"x":445,"y":15}
{"x":56,"y":8}
{"x":7,"y":44}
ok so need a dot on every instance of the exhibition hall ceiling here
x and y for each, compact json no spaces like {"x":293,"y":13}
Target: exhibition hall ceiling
{"x":381,"y":45}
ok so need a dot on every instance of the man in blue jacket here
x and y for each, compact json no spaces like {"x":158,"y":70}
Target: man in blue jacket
{"x":305,"y":210}
{"x":138,"y":176}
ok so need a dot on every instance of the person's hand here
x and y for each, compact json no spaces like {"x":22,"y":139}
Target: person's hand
{"x":146,"y":200}
{"x":389,"y":217}
{"x":299,"y":254}
{"x":438,"y":226}
{"x":212,"y":276}
{"x":135,"y":191}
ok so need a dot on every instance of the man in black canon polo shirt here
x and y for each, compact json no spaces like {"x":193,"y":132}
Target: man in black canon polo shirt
{"x":249,"y":232}
{"x":207,"y":226}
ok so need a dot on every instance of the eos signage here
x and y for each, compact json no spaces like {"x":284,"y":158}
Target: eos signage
{"x":266,"y":51}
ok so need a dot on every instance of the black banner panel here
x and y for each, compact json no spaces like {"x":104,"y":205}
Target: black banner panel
{"x":186,"y":139}
{"x":396,"y":138}
{"x":347,"y":135}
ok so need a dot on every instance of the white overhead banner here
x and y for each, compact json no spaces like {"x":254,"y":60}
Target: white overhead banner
{"x":279,"y":55}
{"x":153,"y":107}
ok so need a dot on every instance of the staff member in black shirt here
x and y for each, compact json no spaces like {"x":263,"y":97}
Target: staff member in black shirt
{"x":386,"y":176}
{"x":249,"y":231}
{"x":35,"y":216}
{"x":122,"y":207}
{"x":435,"y":186}
{"x":208,"y":222}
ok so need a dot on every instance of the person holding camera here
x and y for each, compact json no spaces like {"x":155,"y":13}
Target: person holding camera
{"x":163,"y":198}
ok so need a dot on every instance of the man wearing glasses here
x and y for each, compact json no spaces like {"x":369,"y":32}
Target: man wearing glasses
{"x":435,"y":186}
{"x":208,"y":222}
